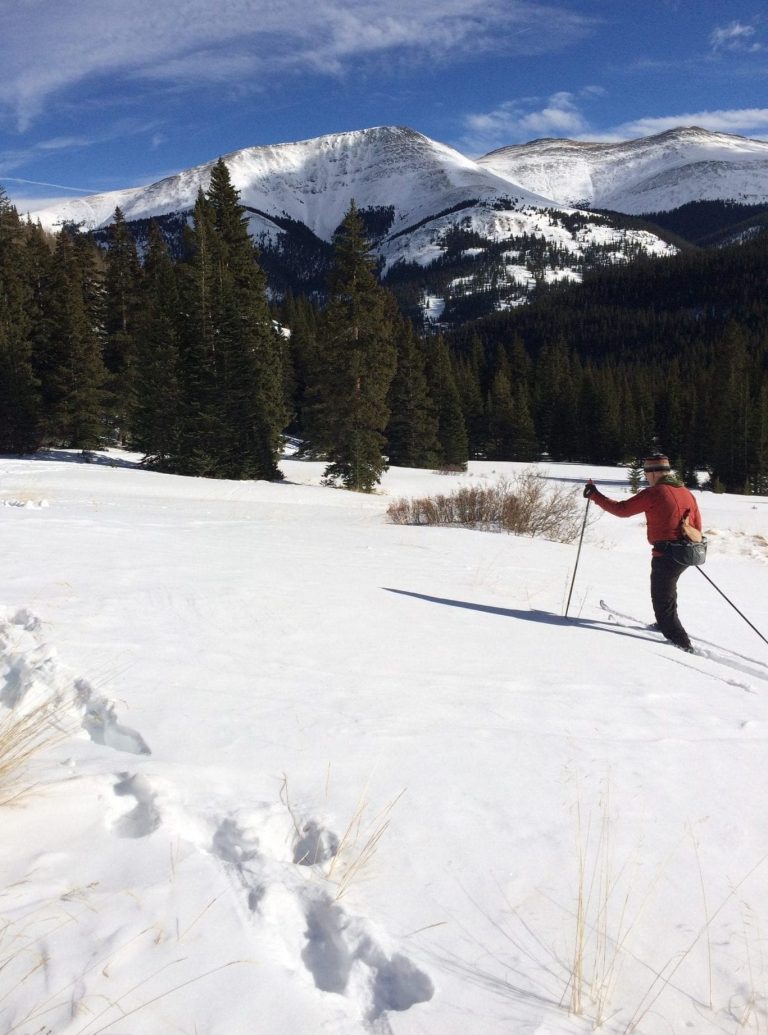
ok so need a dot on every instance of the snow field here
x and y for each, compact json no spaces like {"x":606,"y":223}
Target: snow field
{"x":269,"y":686}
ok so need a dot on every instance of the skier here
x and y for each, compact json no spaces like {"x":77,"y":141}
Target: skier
{"x":672,"y":515}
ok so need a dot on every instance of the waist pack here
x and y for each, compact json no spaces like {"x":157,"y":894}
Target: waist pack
{"x":684,"y":552}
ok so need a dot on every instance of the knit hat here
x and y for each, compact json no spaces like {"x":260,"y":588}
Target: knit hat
{"x":656,"y":462}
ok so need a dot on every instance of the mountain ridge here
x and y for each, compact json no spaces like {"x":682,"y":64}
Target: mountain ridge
{"x":637,"y":177}
{"x":460,"y":236}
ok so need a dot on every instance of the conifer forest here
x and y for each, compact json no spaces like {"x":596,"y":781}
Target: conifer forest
{"x":188,"y":359}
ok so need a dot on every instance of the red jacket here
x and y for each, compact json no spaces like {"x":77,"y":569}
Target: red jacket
{"x":664,"y":506}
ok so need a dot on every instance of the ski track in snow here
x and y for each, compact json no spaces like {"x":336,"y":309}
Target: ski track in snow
{"x":720,"y":655}
{"x":278,"y":868}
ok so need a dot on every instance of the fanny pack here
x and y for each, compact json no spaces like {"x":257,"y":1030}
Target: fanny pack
{"x":683,"y":551}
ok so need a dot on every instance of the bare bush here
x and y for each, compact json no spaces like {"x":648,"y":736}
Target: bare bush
{"x":523,"y":505}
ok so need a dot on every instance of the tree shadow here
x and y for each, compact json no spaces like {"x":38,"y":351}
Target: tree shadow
{"x":75,"y":456}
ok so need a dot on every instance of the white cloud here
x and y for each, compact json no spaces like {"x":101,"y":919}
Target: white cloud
{"x":736,"y":36}
{"x":186,"y":41}
{"x":527,"y":118}
{"x":562,"y":115}
{"x":743,"y":121}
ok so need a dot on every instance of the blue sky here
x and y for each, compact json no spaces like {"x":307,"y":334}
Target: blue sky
{"x":102,"y":94}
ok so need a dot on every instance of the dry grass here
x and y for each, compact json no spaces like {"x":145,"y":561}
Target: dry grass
{"x":347,"y":859}
{"x":358,"y":845}
{"x":22,"y":739}
{"x":523,"y":505}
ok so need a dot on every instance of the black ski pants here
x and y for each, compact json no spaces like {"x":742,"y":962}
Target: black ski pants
{"x":664,"y":575}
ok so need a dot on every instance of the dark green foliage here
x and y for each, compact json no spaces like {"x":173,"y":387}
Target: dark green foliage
{"x":157,"y":400}
{"x":356,"y":361}
{"x":70,"y":347}
{"x":232,"y":412}
{"x":710,"y":222}
{"x":674,"y":349}
{"x":413,"y":424}
{"x":451,"y":429}
{"x":122,"y":273}
{"x":19,"y":387}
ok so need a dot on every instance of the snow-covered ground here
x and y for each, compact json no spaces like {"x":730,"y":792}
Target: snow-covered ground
{"x":317,"y":772}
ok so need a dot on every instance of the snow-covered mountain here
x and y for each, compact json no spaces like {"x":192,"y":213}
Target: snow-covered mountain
{"x":313,"y":182}
{"x":476,"y":236}
{"x":653,"y":174}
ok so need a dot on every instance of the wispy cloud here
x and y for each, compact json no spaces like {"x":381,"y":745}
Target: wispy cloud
{"x":17,"y":158}
{"x":564,"y":115}
{"x":737,"y":36}
{"x":743,"y":121}
{"x":528,"y":118}
{"x":77,"y":42}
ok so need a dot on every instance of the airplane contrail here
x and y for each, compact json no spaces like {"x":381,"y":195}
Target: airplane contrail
{"x":42,"y":183}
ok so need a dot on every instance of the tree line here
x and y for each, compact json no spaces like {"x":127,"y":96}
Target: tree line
{"x":181,"y":356}
{"x":182,"y":359}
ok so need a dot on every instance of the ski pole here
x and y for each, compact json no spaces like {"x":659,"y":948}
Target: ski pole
{"x":709,"y":580}
{"x":578,"y":554}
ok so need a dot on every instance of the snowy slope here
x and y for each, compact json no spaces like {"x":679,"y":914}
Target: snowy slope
{"x":238,"y":666}
{"x":314,"y":181}
{"x":425,"y":195}
{"x":653,"y":174}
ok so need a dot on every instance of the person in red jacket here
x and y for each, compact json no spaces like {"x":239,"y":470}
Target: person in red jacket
{"x":671,"y":514}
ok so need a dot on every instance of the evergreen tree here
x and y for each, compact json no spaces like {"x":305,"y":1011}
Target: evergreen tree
{"x":301,"y":320}
{"x":730,"y":416}
{"x":470,"y":375}
{"x":156,"y":402}
{"x":121,"y":291}
{"x":19,"y":396}
{"x":451,"y":429}
{"x":412,"y":429}
{"x":71,"y":349}
{"x":500,"y":415}
{"x":356,"y":363}
{"x":248,"y":354}
{"x":198,"y":413}
{"x":555,"y":402}
{"x":231,"y":356}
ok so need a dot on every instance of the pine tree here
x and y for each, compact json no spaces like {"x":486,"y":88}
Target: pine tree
{"x":470,"y":372}
{"x":730,"y":411}
{"x":198,"y":411}
{"x":301,"y":319}
{"x":451,"y":429}
{"x":19,"y":395}
{"x":357,"y":360}
{"x":121,"y":290}
{"x":249,"y":358}
{"x":412,"y":429}
{"x":71,"y":348}
{"x":156,"y":400}
{"x":233,"y":412}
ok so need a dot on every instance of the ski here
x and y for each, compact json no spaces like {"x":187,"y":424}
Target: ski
{"x":720,"y":655}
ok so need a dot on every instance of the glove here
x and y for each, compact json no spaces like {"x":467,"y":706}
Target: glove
{"x":589,"y":488}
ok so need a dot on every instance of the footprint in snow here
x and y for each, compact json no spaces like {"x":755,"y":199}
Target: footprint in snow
{"x":339,"y":950}
{"x":101,"y":725}
{"x":144,"y":817}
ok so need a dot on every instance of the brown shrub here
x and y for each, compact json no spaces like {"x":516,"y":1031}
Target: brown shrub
{"x":524,"y":505}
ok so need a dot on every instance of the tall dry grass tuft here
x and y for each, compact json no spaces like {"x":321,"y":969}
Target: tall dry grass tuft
{"x":23,"y":738}
{"x":523,"y":505}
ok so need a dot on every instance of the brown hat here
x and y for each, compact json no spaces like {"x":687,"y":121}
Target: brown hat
{"x":657,"y":462}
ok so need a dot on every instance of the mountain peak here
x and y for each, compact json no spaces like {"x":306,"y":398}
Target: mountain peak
{"x":648,"y":174}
